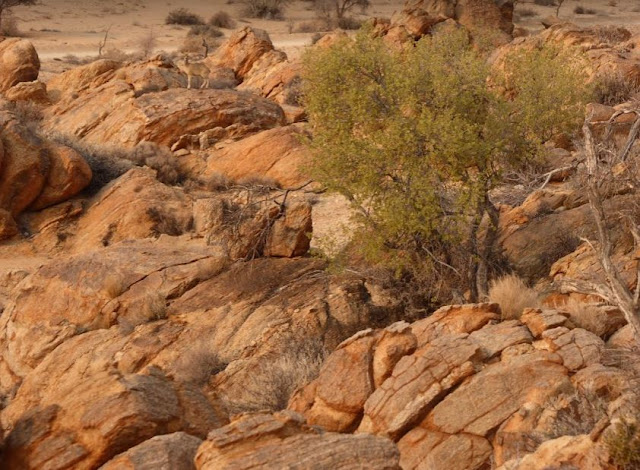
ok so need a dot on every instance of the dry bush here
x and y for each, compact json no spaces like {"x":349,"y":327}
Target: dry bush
{"x":613,"y":88}
{"x":310,"y":27}
{"x":113,"y":53}
{"x":623,"y":444}
{"x":198,"y":364}
{"x":147,"y":44}
{"x":222,"y":19}
{"x":513,"y":295}
{"x":163,"y":223}
{"x":272,"y":386}
{"x":9,"y":26}
{"x":580,"y":10}
{"x":205,"y":30}
{"x":182,"y":16}
{"x":266,"y":9}
{"x":215,"y":182}
{"x":585,"y":315}
{"x":546,"y":3}
{"x":611,"y":34}
{"x":258,"y":183}
{"x":160,"y":159}
{"x":575,"y":413}
{"x":349,"y":23}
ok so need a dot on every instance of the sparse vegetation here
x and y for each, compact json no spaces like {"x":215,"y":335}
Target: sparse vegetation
{"x":526,"y":13}
{"x":417,"y":148}
{"x":585,"y":315}
{"x":546,"y":3}
{"x":513,"y":295}
{"x":8,"y":24}
{"x":623,"y":444}
{"x":184,"y":17}
{"x":222,"y":19}
{"x":270,"y":388}
{"x":267,"y":9}
{"x":614,"y":88}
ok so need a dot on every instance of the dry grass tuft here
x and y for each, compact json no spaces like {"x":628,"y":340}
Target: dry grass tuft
{"x":513,"y":295}
{"x":585,"y":315}
{"x":271,"y":388}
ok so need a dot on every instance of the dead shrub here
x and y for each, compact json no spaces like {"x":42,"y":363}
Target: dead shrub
{"x":526,"y":13}
{"x":198,"y":365}
{"x":222,"y":19}
{"x":9,"y":26}
{"x":158,"y":158}
{"x":574,"y":413}
{"x":207,"y":31}
{"x":266,"y":9}
{"x":272,"y":386}
{"x":163,"y":223}
{"x":513,"y":295}
{"x":184,"y":17}
{"x":348,"y":23}
{"x":310,"y":27}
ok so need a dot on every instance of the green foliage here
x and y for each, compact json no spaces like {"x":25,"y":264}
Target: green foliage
{"x":416,"y":138}
{"x":548,"y":89}
{"x":623,"y":444}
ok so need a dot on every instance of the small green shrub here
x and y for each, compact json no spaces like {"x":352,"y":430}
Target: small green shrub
{"x":182,"y":16}
{"x":623,"y":444}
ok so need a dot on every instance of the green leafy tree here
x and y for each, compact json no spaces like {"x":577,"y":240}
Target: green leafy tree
{"x":416,"y":140}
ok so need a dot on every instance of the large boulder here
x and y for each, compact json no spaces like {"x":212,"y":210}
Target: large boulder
{"x":241,"y":51}
{"x":283,"y":440}
{"x":277,"y":154}
{"x":35,"y":173}
{"x":116,"y":113}
{"x":174,"y":451}
{"x":81,"y":78}
{"x":19,"y":62}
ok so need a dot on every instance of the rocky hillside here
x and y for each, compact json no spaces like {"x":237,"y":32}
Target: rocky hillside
{"x":163,"y":305}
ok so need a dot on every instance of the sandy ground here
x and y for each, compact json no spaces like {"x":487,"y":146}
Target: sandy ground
{"x":59,"y":28}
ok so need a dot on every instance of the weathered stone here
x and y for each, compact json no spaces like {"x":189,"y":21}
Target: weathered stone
{"x":283,"y":441}
{"x":19,"y":62}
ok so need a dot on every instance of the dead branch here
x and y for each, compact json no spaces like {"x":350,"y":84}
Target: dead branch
{"x":103,"y":43}
{"x":621,"y":295}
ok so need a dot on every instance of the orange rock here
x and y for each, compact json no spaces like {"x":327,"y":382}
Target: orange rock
{"x":19,"y":62}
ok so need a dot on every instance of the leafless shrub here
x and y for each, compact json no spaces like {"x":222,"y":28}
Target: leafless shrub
{"x":513,"y":295}
{"x":271,"y":388}
{"x":267,"y":9}
{"x":182,"y":16}
{"x":546,"y":3}
{"x":310,"y":27}
{"x":611,"y":34}
{"x":163,"y":222}
{"x":575,"y":413}
{"x":147,"y":43}
{"x":208,"y":31}
{"x":215,"y":182}
{"x":9,"y":26}
{"x":198,"y":364}
{"x":222,"y":19}
{"x":159,"y":158}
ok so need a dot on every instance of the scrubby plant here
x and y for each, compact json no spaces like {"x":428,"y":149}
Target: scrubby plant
{"x":182,"y":16}
{"x":623,"y":444}
{"x":417,"y":148}
{"x":585,"y":315}
{"x":613,"y":87}
{"x":222,"y":19}
{"x":513,"y":295}
{"x":546,"y":3}
{"x":267,"y":9}
{"x":206,"y":31}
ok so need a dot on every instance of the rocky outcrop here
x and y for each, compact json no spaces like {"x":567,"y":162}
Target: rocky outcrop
{"x":464,"y":389}
{"x":79,"y":79}
{"x":241,"y":51}
{"x":278,"y":154}
{"x":19,"y":62}
{"x":35,"y":92}
{"x":168,"y":452}
{"x":284,"y":441}
{"x":113,"y":113}
{"x":35,"y":173}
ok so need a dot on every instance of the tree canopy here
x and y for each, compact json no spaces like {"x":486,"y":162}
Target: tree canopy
{"x":417,"y":138}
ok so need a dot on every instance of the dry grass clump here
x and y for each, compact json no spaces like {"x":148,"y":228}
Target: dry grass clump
{"x":526,"y":13}
{"x":182,"y":16}
{"x":271,"y":388}
{"x":222,"y":19}
{"x":545,"y":3}
{"x":587,"y":316}
{"x":198,"y":364}
{"x":266,"y":9}
{"x":613,"y":88}
{"x":580,"y":10}
{"x":205,"y":30}
{"x":513,"y":295}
